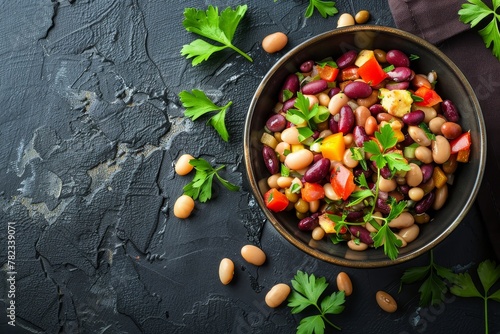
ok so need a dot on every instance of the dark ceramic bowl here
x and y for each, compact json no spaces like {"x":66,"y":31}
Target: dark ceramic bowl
{"x":452,"y":85}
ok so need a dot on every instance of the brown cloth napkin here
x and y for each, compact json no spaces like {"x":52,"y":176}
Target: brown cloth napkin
{"x":437,"y":21}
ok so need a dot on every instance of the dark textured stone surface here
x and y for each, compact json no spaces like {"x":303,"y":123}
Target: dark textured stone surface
{"x":90,"y":127}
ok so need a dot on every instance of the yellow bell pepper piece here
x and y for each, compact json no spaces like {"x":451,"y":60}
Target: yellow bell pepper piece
{"x":333,"y":147}
{"x":327,"y":224}
{"x":439,"y":177}
{"x":297,"y":147}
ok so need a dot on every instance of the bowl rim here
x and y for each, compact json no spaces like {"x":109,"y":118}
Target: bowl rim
{"x":332,"y":258}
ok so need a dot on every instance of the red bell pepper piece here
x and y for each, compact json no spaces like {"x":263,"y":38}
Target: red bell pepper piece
{"x":461,"y":143}
{"x":342,"y":181}
{"x":328,"y":73}
{"x":428,"y":95}
{"x":371,"y":72}
{"x":275,"y":200}
{"x":312,"y":191}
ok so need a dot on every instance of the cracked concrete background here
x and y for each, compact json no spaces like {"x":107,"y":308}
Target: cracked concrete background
{"x":90,"y":126}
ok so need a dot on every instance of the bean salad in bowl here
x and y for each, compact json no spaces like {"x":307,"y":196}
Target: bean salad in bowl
{"x":355,"y":142}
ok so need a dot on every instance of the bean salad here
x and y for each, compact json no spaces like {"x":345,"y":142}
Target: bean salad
{"x":362,"y":144}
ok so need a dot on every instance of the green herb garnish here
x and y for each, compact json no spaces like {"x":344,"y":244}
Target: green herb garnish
{"x":302,"y":114}
{"x":197,"y":104}
{"x":209,"y":24}
{"x":463,"y":285}
{"x":416,"y":98}
{"x":307,"y":289}
{"x":382,"y":158}
{"x":475,"y":12}
{"x":428,"y":132}
{"x":328,"y":61}
{"x":389,"y":68}
{"x":325,"y":8}
{"x":201,"y":186}
{"x":414,"y":57}
{"x":433,"y":288}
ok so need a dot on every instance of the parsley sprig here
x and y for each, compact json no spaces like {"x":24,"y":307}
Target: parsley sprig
{"x":438,"y":280}
{"x":306,"y":118}
{"x":463,"y":285}
{"x":201,"y":186}
{"x":382,"y":153}
{"x":307,"y":289}
{"x":198,"y":104}
{"x":434,"y":287}
{"x":324,"y":7}
{"x":475,"y":12}
{"x":209,"y":24}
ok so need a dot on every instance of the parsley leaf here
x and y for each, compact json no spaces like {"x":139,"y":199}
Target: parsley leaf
{"x":463,"y":285}
{"x":311,"y":324}
{"x":209,"y":24}
{"x":301,"y":114}
{"x":307,"y":289}
{"x":198,"y":104}
{"x":324,"y":7}
{"x":388,"y":239}
{"x":200,"y":188}
{"x":433,"y":289}
{"x":387,"y":139}
{"x":327,"y":61}
{"x":475,"y":12}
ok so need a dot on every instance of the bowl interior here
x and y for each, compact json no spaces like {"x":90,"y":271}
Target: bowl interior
{"x":451,"y":85}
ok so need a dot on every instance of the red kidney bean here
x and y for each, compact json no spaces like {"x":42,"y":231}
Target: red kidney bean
{"x":450,"y":112}
{"x":414,"y":117}
{"x":349,"y":73}
{"x":308,"y":223}
{"x":383,"y":195}
{"x":276,"y":123}
{"x":400,"y":74}
{"x":425,"y":203}
{"x":385,"y":172}
{"x":404,"y":189}
{"x":354,"y":215}
{"x":382,"y":206}
{"x":317,"y":157}
{"x":357,"y":90}
{"x":397,"y":85}
{"x":315,"y":87}
{"x":347,"y":59}
{"x":288,"y":104}
{"x":346,"y":120}
{"x":397,"y":58}
{"x":357,"y":171}
{"x":407,"y":141}
{"x":333,"y":91}
{"x":317,"y":171}
{"x":427,"y":170}
{"x":360,"y":136}
{"x":333,"y":125}
{"x":307,"y":66}
{"x":270,"y":160}
{"x":362,"y":233}
{"x":291,"y":83}
{"x":376,"y":109}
